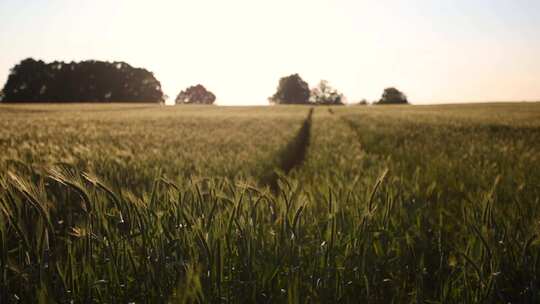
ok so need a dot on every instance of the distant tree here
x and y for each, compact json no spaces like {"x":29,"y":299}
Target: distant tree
{"x":324,"y":94}
{"x":393,"y":96}
{"x":196,"y":94}
{"x":291,"y":90}
{"x":95,"y":81}
{"x":362,"y":102}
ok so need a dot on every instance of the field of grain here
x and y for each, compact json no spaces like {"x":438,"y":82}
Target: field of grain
{"x":377,"y":204}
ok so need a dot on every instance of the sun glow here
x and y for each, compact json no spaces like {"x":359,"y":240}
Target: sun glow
{"x":434,"y":52}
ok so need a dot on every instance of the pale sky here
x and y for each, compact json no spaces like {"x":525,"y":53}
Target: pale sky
{"x":434,"y":51}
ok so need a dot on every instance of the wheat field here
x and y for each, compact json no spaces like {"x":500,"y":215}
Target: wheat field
{"x":281,"y":204}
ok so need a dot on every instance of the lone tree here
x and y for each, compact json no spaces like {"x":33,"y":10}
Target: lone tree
{"x":291,"y":90}
{"x":324,"y":94}
{"x":96,"y":81}
{"x":196,"y":94}
{"x":362,"y":102}
{"x":393,"y":96}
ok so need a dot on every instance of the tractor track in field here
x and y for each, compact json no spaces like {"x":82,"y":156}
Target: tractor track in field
{"x":292,"y":155}
{"x":352,"y":125}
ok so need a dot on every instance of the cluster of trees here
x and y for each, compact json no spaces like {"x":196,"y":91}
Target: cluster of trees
{"x":86,"y":81}
{"x":324,"y":94}
{"x":393,"y":96}
{"x":100,"y":81}
{"x":291,"y":90}
{"x":294,"y":90}
{"x":196,"y":95}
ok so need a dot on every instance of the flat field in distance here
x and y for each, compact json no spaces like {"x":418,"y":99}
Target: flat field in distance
{"x":378,"y":204}
{"x":129,"y":144}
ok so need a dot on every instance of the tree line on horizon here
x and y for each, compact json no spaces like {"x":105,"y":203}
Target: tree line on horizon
{"x":100,"y":81}
{"x":293,"y":89}
{"x":86,"y":81}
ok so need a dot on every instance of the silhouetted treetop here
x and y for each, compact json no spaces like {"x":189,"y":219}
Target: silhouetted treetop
{"x":291,"y":90}
{"x":324,"y":94}
{"x":196,"y":94}
{"x":393,"y":96}
{"x":87,"y":81}
{"x":362,"y":102}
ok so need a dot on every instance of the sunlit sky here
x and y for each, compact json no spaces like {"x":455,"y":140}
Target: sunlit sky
{"x":434,"y":51}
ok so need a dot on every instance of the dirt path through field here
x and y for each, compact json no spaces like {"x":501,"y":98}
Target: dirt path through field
{"x":293,"y":155}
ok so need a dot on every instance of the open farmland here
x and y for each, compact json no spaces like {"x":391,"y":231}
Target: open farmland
{"x":129,"y":144}
{"x":138,"y":203}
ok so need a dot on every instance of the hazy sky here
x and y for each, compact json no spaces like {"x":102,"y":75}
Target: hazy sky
{"x":434,"y":51}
